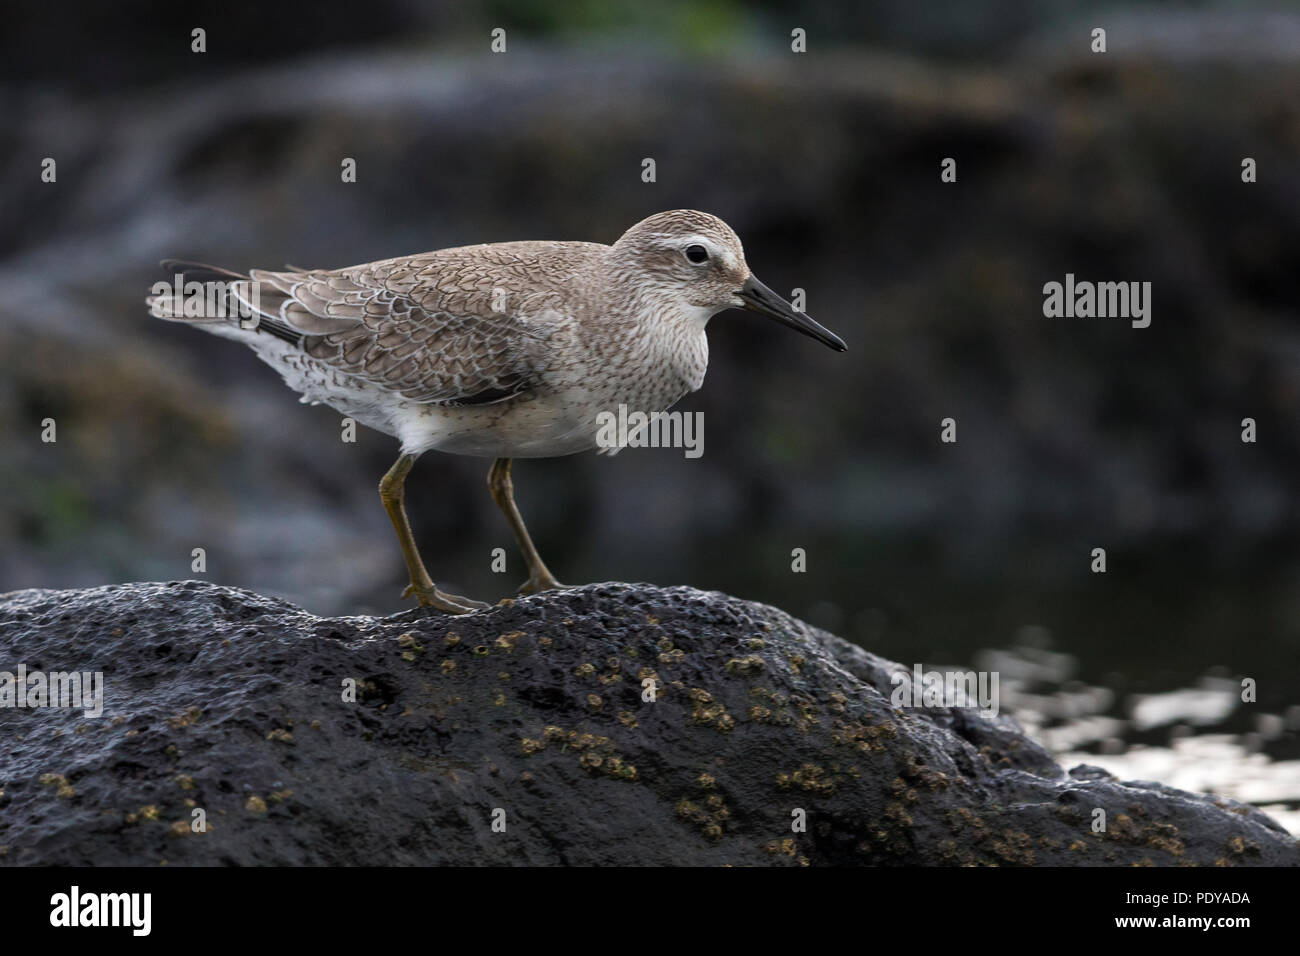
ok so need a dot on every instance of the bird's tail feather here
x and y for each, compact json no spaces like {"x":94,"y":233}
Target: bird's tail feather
{"x":205,"y":294}
{"x":198,"y":292}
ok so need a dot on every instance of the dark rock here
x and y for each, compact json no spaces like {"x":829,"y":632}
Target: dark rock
{"x":229,"y":702}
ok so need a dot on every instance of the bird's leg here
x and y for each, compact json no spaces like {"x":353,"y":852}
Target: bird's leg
{"x":503,"y":493}
{"x":426,"y":592}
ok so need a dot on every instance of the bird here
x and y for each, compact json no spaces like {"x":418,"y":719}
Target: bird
{"x":501,"y":350}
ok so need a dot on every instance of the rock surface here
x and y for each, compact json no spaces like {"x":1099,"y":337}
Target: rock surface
{"x":228,"y":702}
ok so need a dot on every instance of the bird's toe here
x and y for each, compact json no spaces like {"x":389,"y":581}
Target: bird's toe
{"x":536,"y":584}
{"x":430,"y":596}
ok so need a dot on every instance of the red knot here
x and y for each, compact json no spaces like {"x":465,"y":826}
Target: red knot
{"x":507,"y":350}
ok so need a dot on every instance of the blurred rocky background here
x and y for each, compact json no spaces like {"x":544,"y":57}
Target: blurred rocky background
{"x":1073,"y":433}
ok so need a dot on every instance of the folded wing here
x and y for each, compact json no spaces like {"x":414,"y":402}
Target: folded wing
{"x":415,"y":326}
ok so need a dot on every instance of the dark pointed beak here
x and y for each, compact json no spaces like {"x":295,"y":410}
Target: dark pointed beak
{"x":759,"y":298}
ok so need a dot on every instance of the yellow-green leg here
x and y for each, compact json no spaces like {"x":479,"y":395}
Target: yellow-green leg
{"x":503,"y":493}
{"x":391,"y":489}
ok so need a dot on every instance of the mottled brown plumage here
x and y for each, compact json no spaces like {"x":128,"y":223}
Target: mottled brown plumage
{"x":440,"y":327}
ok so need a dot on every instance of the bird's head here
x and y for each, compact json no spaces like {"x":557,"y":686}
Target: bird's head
{"x":696,"y":261}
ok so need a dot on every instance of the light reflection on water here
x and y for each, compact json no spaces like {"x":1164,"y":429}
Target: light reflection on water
{"x":1183,"y":738}
{"x":1211,"y":763}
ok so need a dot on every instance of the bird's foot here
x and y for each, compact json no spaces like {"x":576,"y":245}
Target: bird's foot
{"x":429,"y":596}
{"x":544,"y":581}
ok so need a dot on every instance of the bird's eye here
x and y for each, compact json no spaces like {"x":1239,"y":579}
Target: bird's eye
{"x":697,"y":254}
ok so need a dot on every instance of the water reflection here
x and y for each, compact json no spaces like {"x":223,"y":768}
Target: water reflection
{"x":1200,"y":738}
